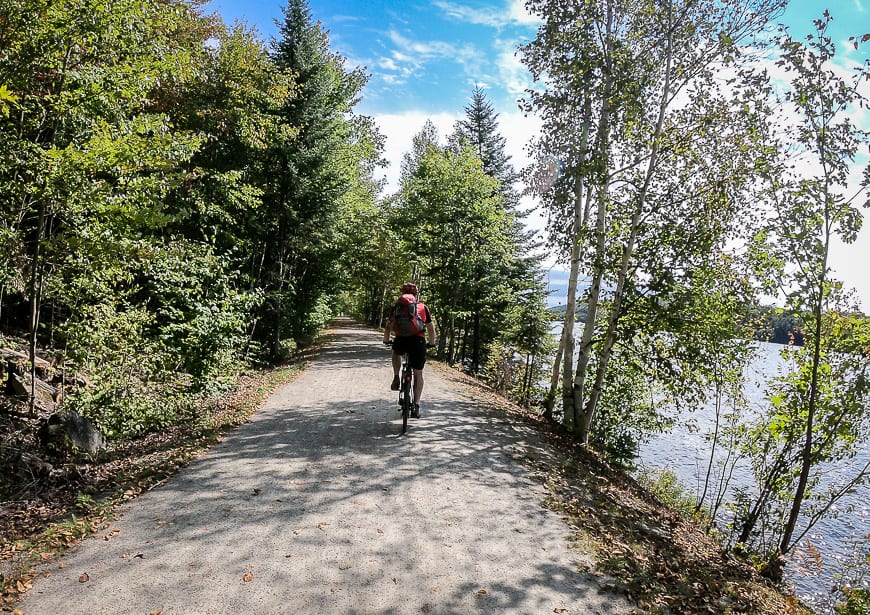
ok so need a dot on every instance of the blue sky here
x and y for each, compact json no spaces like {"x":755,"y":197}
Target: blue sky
{"x":424,"y":58}
{"x":428,"y":55}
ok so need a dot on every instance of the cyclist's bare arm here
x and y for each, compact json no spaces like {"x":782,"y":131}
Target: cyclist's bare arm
{"x":387,"y":328}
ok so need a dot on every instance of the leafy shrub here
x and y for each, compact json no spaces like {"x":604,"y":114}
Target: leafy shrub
{"x":665,"y":485}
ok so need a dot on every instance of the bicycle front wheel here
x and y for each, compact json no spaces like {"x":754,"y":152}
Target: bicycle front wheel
{"x":407,"y":395}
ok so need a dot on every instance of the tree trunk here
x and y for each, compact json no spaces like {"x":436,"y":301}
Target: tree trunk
{"x":35,"y":297}
{"x":628,"y":250}
{"x":475,"y":338}
{"x":570,"y":314}
{"x":602,"y":145}
{"x":807,"y":452}
{"x":550,"y":398}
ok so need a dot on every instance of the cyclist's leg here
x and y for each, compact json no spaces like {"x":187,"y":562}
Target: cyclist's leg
{"x":418,"y":385}
{"x":417,"y":356}
{"x":397,"y":362}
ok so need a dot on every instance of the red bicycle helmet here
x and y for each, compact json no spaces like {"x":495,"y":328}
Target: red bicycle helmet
{"x":410,"y":288}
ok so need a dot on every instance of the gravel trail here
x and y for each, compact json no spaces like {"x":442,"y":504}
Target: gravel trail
{"x":317,"y":505}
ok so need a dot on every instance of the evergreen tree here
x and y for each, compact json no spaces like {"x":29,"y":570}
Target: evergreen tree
{"x":516,"y":275}
{"x":480,"y":130}
{"x":307,"y":175}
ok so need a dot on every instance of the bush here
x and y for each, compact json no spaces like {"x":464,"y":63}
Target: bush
{"x":667,"y":488}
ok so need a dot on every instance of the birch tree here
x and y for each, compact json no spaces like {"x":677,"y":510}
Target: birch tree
{"x":817,"y":417}
{"x":639,"y":67}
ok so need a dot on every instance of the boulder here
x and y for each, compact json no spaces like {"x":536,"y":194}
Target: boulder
{"x":69,"y":430}
{"x":20,"y":385}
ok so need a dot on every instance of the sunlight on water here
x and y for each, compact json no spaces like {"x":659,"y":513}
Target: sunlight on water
{"x":813,"y":567}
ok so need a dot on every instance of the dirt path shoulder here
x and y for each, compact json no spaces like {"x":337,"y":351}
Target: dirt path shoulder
{"x":317,"y":505}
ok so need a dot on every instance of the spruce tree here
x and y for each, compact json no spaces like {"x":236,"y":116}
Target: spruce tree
{"x":480,"y":130}
{"x":308,"y":174}
{"x":502,"y":283}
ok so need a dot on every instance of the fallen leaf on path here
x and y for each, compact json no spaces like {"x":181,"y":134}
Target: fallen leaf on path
{"x":84,"y":578}
{"x":481,"y":592}
{"x":290,"y":555}
{"x":160,"y":612}
{"x":322,"y":526}
{"x":249,"y":576}
{"x":258,"y":491}
{"x":380,"y":531}
{"x":345,"y":567}
{"x":560,"y":609}
{"x":297,"y":531}
{"x":61,"y":566}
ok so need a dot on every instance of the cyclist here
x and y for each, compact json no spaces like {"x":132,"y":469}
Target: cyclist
{"x":414,"y":344}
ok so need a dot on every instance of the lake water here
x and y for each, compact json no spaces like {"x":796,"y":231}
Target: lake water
{"x":685,"y":451}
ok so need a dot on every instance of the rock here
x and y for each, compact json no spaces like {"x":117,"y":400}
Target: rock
{"x":20,"y":385}
{"x":68,"y":430}
{"x":34,"y":466}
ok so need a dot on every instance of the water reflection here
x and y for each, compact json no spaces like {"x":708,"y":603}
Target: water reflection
{"x":685,"y":451}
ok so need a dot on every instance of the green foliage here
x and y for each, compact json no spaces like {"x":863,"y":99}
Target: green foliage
{"x":175,"y":196}
{"x":460,"y":231}
{"x":130,"y":395}
{"x":856,"y":601}
{"x":311,"y":179}
{"x":666,"y":487}
{"x":817,"y":415}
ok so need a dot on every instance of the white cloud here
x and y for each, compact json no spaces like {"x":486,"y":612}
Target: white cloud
{"x":493,"y":17}
{"x":520,"y":15}
{"x":466,"y":14}
{"x":399,"y":130}
{"x":513,"y":74}
{"x":409,"y":57}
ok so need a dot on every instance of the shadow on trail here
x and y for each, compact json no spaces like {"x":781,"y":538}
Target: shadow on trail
{"x":342,"y":503}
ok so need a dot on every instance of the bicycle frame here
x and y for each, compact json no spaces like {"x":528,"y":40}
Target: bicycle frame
{"x":406,"y":391}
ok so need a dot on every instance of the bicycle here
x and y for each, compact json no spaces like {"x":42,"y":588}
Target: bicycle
{"x":406,"y":388}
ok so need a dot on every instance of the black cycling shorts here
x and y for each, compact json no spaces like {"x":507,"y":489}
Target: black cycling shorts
{"x":415,"y":346}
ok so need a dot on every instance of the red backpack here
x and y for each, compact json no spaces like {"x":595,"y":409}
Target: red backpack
{"x":406,"y":317}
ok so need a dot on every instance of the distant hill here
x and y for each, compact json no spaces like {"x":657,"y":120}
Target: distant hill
{"x":770,"y":324}
{"x":558,"y":312}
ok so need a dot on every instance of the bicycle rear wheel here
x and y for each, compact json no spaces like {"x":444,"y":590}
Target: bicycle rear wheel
{"x":407,"y":395}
